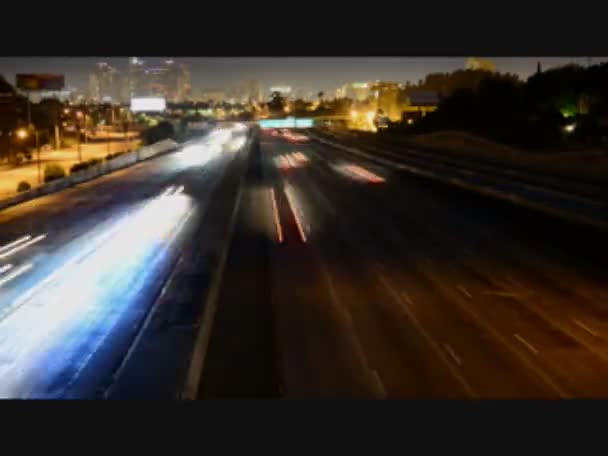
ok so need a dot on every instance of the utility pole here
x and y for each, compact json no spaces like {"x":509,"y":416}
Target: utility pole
{"x":36,"y":133}
{"x":79,"y":149}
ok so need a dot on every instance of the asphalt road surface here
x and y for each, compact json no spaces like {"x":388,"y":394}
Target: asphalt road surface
{"x":387,"y":285}
{"x":80,"y":269}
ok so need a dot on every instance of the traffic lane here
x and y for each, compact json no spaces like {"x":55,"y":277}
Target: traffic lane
{"x":164,"y":343}
{"x":369,"y":313}
{"x":345,"y":240}
{"x":134,"y":264}
{"x":589,"y":211}
{"x":582,"y":250}
{"x":319,"y":357}
{"x":579,"y":190}
{"x":488,"y":295}
{"x":57,"y":326}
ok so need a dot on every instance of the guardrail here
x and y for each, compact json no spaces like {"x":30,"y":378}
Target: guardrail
{"x":103,"y":168}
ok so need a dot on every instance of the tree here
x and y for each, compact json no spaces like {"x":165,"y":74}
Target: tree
{"x":320,"y":96}
{"x":276,"y":105}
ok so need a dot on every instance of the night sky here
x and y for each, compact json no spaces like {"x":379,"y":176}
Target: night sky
{"x":309,"y":74}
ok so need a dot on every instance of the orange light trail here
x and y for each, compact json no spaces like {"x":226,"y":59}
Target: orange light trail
{"x":277,"y":220}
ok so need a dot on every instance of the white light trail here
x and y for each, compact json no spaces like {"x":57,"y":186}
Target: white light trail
{"x":16,"y":273}
{"x":14,"y":243}
{"x":57,"y":325}
{"x":22,"y":246}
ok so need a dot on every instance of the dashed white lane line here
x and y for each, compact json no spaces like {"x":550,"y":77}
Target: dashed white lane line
{"x":528,"y":345}
{"x":464,"y":291}
{"x":585,"y":327}
{"x":425,"y":334}
{"x":452,"y":353}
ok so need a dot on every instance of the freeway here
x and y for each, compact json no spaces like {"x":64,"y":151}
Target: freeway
{"x":81,"y":269}
{"x":388,"y":285}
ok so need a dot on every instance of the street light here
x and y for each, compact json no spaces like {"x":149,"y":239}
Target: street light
{"x":22,"y":133}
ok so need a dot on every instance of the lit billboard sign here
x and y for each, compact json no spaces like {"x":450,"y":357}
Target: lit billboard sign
{"x":40,"y":82}
{"x":290,"y":122}
{"x":148,"y":104}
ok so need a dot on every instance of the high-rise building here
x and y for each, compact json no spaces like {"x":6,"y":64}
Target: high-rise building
{"x":184,"y":84}
{"x":94,"y":87}
{"x":135,"y":76}
{"x":104,"y":83}
{"x":474,"y":63}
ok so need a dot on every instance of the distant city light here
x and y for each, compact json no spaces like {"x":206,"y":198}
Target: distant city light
{"x":570,"y":128}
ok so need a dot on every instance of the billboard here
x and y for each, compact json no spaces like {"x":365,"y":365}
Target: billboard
{"x":40,"y":82}
{"x":148,"y":104}
{"x":290,"y":122}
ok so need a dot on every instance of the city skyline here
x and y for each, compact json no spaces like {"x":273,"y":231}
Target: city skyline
{"x":303,"y":73}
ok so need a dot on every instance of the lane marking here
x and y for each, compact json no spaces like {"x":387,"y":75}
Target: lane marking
{"x":14,"y":243}
{"x":503,"y":294}
{"x":5,"y":268}
{"x":373,"y":376}
{"x":16,"y":273}
{"x":407,"y":298}
{"x":295,"y":216}
{"x":585,"y":327}
{"x":464,"y":291}
{"x":23,"y":246}
{"x":452,"y":353}
{"x":528,"y":345}
{"x":428,"y":337}
{"x":277,"y":220}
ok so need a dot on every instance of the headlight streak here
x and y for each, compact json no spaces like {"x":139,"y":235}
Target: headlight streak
{"x":16,"y":273}
{"x":5,"y":268}
{"x":14,"y":243}
{"x":73,"y":298}
{"x":22,"y":246}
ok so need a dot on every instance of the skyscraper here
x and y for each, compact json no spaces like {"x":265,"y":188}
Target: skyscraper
{"x":135,"y":76}
{"x":184,"y":84}
{"x":104,"y":83}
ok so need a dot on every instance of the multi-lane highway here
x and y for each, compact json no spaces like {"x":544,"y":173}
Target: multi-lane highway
{"x":80,"y":270}
{"x":388,"y":285}
{"x":344,"y":278}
